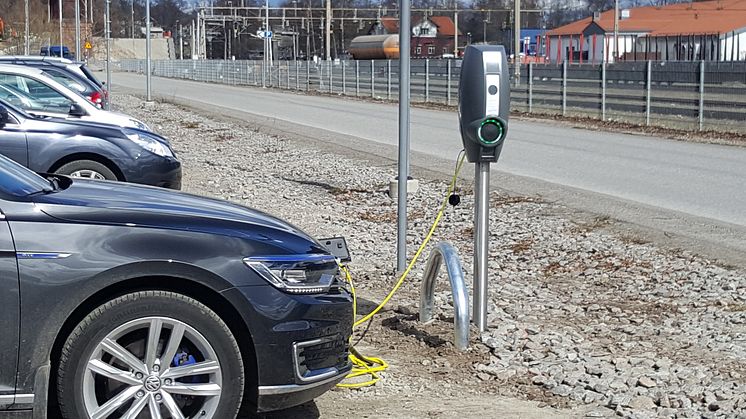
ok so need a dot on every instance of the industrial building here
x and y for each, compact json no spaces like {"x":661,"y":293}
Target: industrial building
{"x":702,"y":31}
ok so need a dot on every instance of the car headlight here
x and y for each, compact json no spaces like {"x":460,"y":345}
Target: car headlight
{"x":297,"y":274}
{"x":140,"y":125}
{"x":149,"y":143}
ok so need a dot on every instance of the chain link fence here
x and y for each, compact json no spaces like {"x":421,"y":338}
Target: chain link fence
{"x":680,"y":95}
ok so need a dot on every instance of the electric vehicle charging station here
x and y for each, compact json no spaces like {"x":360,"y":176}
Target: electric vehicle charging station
{"x":484,"y":107}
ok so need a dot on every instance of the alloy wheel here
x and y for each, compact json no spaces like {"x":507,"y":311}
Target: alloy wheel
{"x":155,"y":367}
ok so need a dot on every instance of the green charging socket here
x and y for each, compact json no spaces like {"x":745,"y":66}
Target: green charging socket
{"x":491,"y":131}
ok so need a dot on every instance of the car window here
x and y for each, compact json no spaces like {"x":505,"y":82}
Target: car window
{"x":18,"y":181}
{"x":90,"y":75}
{"x":65,"y":79}
{"x":43,"y":98}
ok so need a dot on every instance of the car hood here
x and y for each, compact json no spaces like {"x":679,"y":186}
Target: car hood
{"x":118,"y":203}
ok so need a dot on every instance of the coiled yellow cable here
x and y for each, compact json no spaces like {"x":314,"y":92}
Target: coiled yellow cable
{"x":367,"y":365}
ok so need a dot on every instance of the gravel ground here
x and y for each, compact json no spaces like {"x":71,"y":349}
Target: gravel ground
{"x":582,"y":322}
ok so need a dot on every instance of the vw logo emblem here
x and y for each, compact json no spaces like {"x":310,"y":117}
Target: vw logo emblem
{"x":152,"y":383}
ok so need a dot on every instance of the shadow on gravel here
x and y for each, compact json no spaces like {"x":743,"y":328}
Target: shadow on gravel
{"x":307,"y":410}
{"x":395,"y":323}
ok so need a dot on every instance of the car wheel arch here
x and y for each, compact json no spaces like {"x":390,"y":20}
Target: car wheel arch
{"x":88,"y":156}
{"x":179,"y":284}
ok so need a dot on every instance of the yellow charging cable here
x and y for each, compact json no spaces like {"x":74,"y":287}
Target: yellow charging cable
{"x":366,"y":365}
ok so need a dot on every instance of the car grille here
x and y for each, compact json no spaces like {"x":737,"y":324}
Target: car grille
{"x":321,"y":357}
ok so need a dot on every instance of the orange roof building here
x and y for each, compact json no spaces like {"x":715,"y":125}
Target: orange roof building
{"x":710,"y":31}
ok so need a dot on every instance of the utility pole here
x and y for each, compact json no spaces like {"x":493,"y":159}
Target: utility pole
{"x":27,"y":41}
{"x":616,"y":30}
{"x":132,"y":19}
{"x":77,"y":29}
{"x":194,"y":41}
{"x":517,"y":43}
{"x":181,"y":41}
{"x":107,"y":36}
{"x":147,"y":51}
{"x":328,"y":29}
{"x":60,"y":4}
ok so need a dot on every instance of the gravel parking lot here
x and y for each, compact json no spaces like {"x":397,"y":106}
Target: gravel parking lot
{"x":583,"y":322}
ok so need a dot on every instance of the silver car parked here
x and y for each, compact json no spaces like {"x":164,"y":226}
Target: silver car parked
{"x":49,"y":97}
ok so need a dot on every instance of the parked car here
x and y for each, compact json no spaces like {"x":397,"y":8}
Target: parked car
{"x":57,"y":100}
{"x":57,"y":51}
{"x":74,"y":75}
{"x":90,"y":150}
{"x":121,"y":300}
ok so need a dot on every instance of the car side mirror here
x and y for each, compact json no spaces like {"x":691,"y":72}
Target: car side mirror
{"x":77,"y":110}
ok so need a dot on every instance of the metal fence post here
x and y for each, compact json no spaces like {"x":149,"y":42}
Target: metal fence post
{"x":603,"y":91}
{"x":648,"y":86}
{"x":331,"y":76}
{"x":564,"y":88}
{"x":308,"y":76}
{"x":357,"y":78}
{"x":448,"y":85}
{"x":530,"y":87}
{"x":373,"y":78}
{"x":427,"y":80}
{"x":297,"y":75}
{"x":701,"y":95}
{"x":388,"y":81}
{"x":264,"y":75}
{"x":287,"y":67}
{"x":344,"y":78}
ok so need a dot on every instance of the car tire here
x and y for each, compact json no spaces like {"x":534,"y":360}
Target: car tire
{"x":92,"y":356}
{"x":88,"y":169}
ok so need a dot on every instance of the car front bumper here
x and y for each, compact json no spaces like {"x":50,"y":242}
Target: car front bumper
{"x":301,"y":342}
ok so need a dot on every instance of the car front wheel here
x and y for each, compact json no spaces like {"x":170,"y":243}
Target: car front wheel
{"x":153,"y":354}
{"x":88,"y":169}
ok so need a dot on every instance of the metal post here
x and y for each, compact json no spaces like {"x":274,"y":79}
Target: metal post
{"x":329,"y":30}
{"x":308,"y":76}
{"x":287,"y":67}
{"x":264,"y":71}
{"x":564,"y":87}
{"x":517,"y":40}
{"x":27,"y":33}
{"x":427,"y":80}
{"x":147,"y":49}
{"x":107,"y":36}
{"x":616,"y":31}
{"x":373,"y":78}
{"x":61,"y":42}
{"x":181,"y":41}
{"x":701,"y":95}
{"x":331,"y":76}
{"x":481,"y":242}
{"x":77,"y":29}
{"x":648,"y":85}
{"x":448,"y":85}
{"x":530,"y":87}
{"x":405,"y":24}
{"x":357,"y":78}
{"x":388,"y":81}
{"x":344,"y":78}
{"x":603,"y":91}
{"x":297,"y":76}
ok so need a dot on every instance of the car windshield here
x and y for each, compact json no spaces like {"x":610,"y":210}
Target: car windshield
{"x":45,"y":98}
{"x":68,"y":81}
{"x":18,"y":181}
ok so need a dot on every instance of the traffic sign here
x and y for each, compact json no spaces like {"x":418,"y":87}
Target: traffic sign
{"x":88,"y":45}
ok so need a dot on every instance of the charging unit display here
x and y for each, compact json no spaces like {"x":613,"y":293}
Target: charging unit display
{"x":484,"y":106}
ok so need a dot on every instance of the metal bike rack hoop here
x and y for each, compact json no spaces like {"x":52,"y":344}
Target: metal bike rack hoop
{"x":444,"y":252}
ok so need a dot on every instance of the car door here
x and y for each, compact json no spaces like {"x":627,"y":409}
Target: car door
{"x":9,"y":314}
{"x":13,"y":141}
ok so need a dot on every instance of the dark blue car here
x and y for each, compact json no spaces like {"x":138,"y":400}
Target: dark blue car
{"x":87,"y":150}
{"x":128,"y":301}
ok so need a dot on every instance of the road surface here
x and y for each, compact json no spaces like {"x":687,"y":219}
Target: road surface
{"x":696,"y":191}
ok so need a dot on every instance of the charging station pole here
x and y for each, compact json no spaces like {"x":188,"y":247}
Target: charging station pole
{"x":484,"y":107}
{"x":404,"y":53}
{"x":481,"y":241}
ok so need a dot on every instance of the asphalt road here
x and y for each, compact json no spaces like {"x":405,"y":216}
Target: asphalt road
{"x":698,"y":190}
